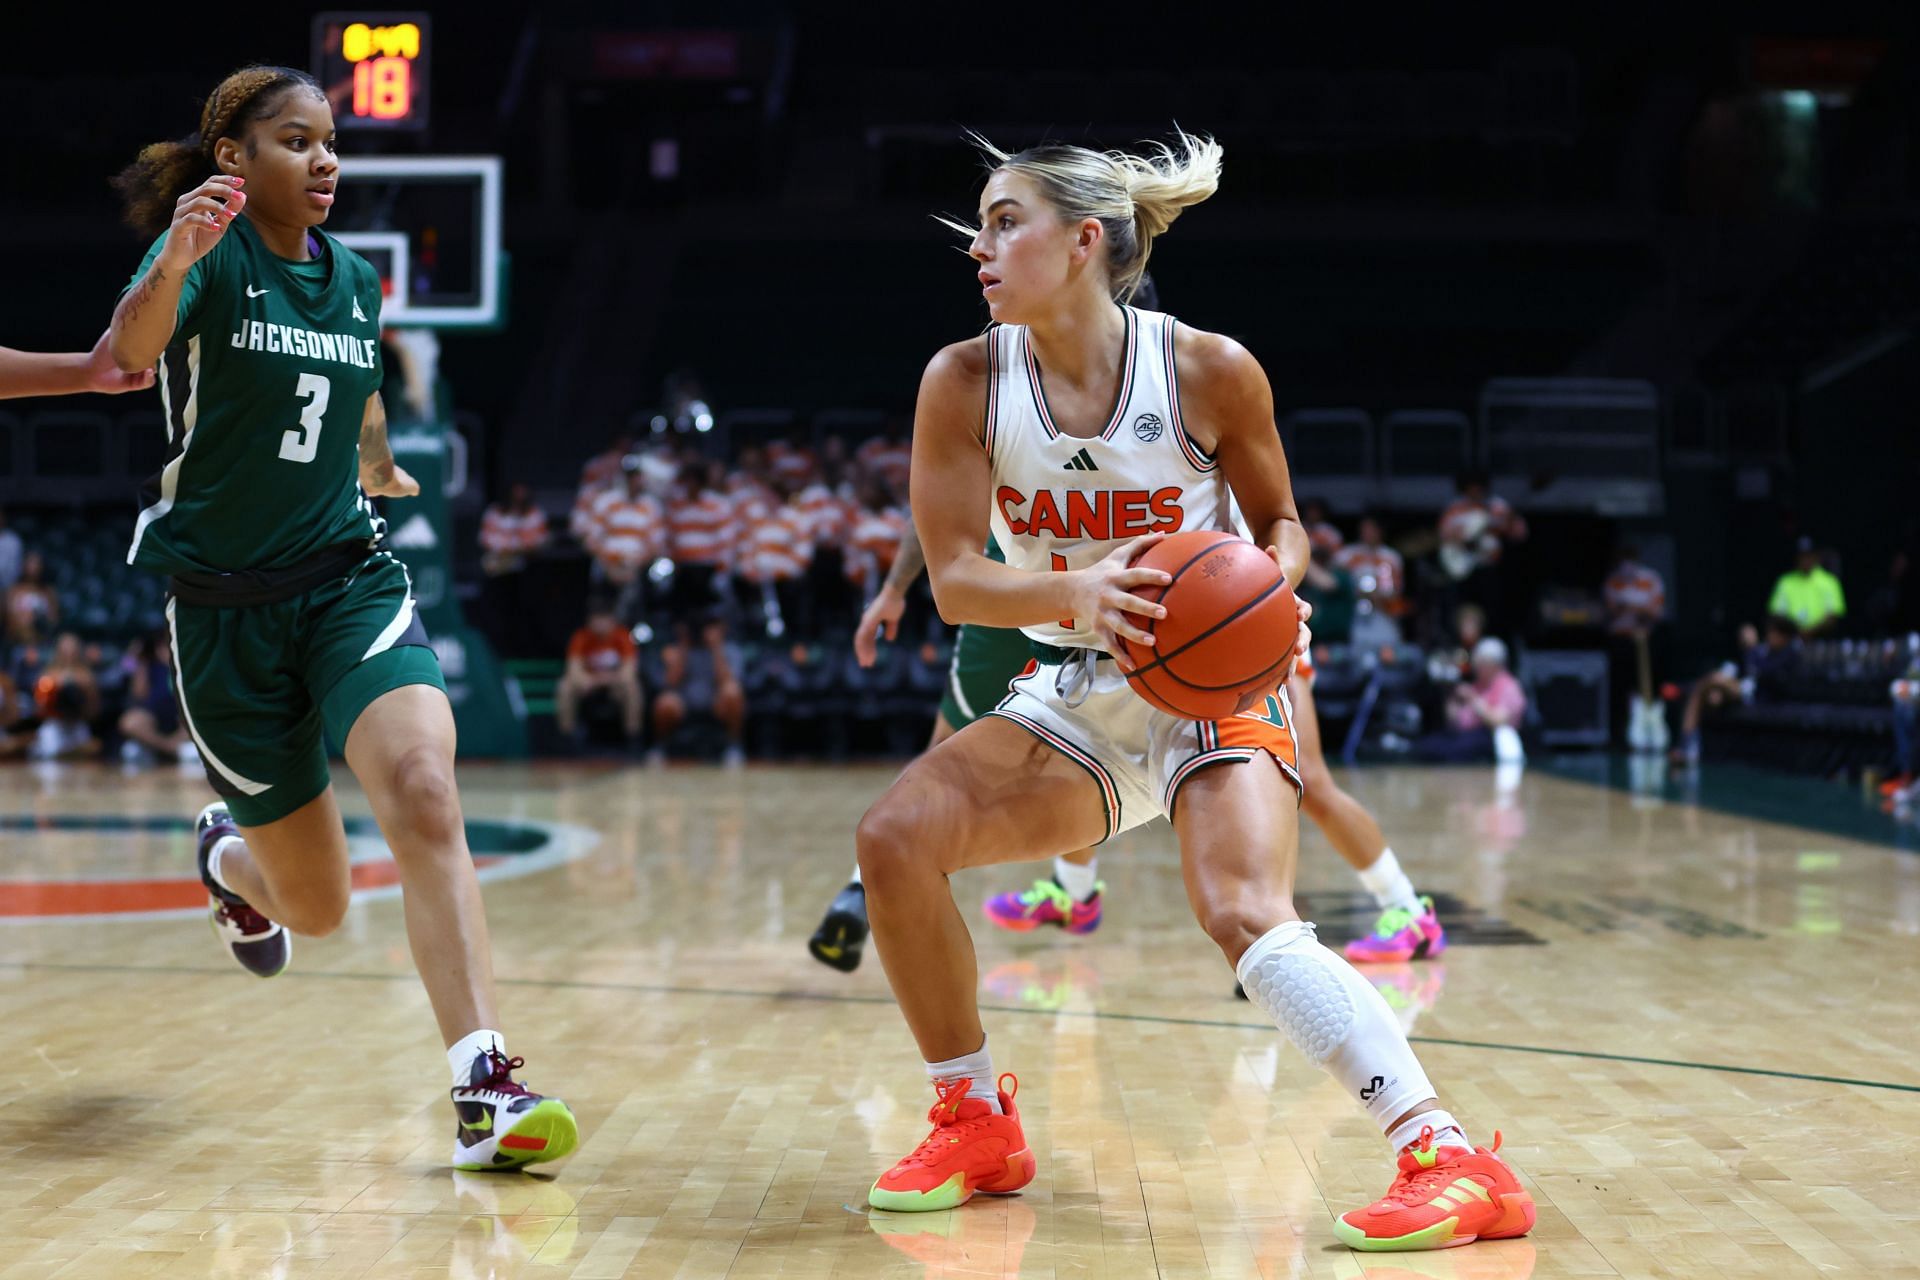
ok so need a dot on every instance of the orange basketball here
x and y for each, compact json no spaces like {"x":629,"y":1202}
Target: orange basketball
{"x":1229,"y":631}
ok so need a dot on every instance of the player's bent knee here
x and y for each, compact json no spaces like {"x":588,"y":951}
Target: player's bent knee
{"x":315,"y":909}
{"x":886,"y":841}
{"x":424,"y":792}
{"x":1235,"y":924}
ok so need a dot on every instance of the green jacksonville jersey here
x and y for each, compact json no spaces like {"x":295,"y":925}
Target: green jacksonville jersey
{"x":263,"y":385}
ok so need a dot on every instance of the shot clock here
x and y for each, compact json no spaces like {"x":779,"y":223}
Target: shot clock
{"x":374,"y":68}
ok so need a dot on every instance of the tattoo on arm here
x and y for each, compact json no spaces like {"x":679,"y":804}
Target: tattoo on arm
{"x":376,"y":456}
{"x":141,"y":294}
{"x":909,"y":562}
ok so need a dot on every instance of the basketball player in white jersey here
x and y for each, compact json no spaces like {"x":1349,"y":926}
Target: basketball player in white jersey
{"x":1075,"y":432}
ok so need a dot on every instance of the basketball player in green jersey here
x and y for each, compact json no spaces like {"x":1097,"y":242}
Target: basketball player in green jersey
{"x":288,"y":615}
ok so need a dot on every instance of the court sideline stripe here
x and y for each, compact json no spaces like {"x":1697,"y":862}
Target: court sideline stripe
{"x":567,"y":984}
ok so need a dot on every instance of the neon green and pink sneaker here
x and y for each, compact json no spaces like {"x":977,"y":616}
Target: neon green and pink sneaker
{"x":1045,"y":903}
{"x":1399,"y":935}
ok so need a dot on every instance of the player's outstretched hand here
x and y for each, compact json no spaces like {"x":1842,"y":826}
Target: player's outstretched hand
{"x":200,"y":218}
{"x":105,"y":376}
{"x":882,"y":613}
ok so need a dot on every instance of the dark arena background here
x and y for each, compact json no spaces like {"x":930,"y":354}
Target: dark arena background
{"x":1593,"y":356}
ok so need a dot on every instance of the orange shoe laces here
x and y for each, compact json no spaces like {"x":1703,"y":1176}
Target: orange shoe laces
{"x":943,"y":1117}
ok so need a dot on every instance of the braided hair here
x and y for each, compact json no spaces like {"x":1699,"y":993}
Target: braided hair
{"x":151,"y":186}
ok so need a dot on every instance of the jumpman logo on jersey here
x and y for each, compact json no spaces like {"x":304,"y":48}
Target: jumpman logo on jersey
{"x":357,"y":313}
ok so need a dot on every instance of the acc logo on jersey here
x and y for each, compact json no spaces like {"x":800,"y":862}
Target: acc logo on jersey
{"x":1148,"y":427}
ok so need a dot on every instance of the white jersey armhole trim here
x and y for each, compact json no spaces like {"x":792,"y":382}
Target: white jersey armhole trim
{"x":1197,"y":458}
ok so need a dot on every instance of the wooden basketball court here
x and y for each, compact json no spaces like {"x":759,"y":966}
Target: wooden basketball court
{"x":1698,"y":1032}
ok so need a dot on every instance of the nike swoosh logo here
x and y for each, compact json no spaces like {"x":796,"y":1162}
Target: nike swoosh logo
{"x":256,"y":293}
{"x":483,"y":1124}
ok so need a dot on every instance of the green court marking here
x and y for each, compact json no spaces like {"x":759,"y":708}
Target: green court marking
{"x":566,"y":984}
{"x":1812,"y":804}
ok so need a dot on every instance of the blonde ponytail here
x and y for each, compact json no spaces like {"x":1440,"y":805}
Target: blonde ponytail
{"x":1134,"y":197}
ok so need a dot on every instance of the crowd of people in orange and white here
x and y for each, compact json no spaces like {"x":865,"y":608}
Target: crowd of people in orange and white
{"x":804,"y":535}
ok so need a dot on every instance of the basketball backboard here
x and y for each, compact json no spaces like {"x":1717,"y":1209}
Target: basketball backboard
{"x":431,"y":226}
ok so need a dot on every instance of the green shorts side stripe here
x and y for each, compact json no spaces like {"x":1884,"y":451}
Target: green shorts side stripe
{"x":985,"y":661}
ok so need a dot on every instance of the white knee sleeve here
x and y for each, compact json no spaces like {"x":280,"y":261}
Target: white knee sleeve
{"x":1334,"y":1017}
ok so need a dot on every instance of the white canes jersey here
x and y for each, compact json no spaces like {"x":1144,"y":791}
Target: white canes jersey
{"x":1064,"y":502}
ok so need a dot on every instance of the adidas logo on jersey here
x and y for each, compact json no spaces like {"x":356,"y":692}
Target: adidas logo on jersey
{"x":1081,"y":461}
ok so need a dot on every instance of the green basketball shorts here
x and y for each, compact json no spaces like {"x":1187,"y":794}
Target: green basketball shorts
{"x":985,"y":661}
{"x":259,"y":684}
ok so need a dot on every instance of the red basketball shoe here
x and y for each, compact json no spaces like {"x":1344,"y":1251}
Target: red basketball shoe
{"x":1443,"y":1197}
{"x":970,"y":1149}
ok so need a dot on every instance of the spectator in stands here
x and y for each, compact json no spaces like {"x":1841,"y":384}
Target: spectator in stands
{"x":774,"y":552}
{"x":17,"y":721}
{"x":1452,"y":662}
{"x":1334,"y":599}
{"x":790,"y":463}
{"x":1636,"y":601}
{"x":604,"y":473}
{"x":753,"y":498}
{"x":626,"y":534}
{"x":150,"y":726}
{"x":1901,"y":788}
{"x":1321,"y":531}
{"x":873,"y":535}
{"x":67,"y":696}
{"x":33,"y":610}
{"x":700,"y":679}
{"x":1379,"y":577}
{"x":1760,"y":674}
{"x":601,"y":662}
{"x":1808,"y":594}
{"x":10,"y":555}
{"x":511,"y":532}
{"x":829,"y":516}
{"x":1477,"y":531}
{"x":1477,"y":710}
{"x":700,"y":539}
{"x":889,"y":458}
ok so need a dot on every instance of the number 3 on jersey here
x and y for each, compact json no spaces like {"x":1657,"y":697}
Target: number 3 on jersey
{"x":303,"y":442}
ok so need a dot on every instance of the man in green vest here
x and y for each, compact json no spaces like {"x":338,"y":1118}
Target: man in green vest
{"x":1808,"y":593}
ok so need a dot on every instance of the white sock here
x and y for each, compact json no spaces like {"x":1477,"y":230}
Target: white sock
{"x":1336,"y":1018}
{"x":1389,"y":884}
{"x":856,"y":874}
{"x":976,"y":1067}
{"x":213,"y":861}
{"x":1446,"y":1130}
{"x":461,"y":1054}
{"x":1079,"y":882}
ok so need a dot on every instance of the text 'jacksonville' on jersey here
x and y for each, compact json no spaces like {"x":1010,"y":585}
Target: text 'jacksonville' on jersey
{"x":1064,"y":502}
{"x":263,"y":385}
